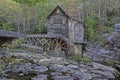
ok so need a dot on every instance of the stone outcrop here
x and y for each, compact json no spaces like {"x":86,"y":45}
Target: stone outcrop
{"x":109,"y":52}
{"x":63,"y":72}
{"x":55,"y":68}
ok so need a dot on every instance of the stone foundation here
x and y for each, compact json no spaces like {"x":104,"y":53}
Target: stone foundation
{"x":77,"y":49}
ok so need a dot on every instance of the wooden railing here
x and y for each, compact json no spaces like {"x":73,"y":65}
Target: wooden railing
{"x":55,"y":36}
{"x":4,"y":33}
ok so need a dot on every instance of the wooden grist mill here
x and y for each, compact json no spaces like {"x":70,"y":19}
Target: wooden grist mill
{"x":64,"y":34}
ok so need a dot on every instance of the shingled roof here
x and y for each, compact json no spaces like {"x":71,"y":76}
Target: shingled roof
{"x":57,"y":7}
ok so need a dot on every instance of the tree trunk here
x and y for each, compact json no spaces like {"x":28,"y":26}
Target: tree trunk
{"x":99,"y":9}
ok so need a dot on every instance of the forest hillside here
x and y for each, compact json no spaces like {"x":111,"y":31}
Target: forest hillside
{"x":30,"y":16}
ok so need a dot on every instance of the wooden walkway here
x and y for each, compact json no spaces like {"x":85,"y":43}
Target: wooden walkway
{"x":12,"y":34}
{"x":8,"y":36}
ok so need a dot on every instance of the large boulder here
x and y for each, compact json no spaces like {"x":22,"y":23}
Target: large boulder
{"x":113,"y":44}
{"x":27,"y":68}
{"x":40,"y":77}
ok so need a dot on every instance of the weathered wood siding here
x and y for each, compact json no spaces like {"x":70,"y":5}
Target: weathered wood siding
{"x":58,"y":23}
{"x":76,"y":31}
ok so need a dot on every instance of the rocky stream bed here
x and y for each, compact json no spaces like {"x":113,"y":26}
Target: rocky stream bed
{"x":43,"y":67}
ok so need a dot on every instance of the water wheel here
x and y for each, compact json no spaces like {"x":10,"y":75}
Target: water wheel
{"x":58,"y":43}
{"x":54,"y":43}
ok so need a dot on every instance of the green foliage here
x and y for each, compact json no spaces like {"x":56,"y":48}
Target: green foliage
{"x":30,"y":2}
{"x":43,"y":8}
{"x":118,"y":75}
{"x":105,"y":29}
{"x":38,"y":30}
{"x":43,"y":30}
{"x":34,"y":31}
{"x":13,"y":44}
{"x":39,"y":57}
{"x":2,"y":66}
{"x":7,"y":60}
{"x":95,"y":31}
{"x":7,"y":26}
{"x":102,"y":31}
{"x":9,"y":12}
{"x":80,"y":58}
{"x":91,"y":29}
{"x":36,"y":11}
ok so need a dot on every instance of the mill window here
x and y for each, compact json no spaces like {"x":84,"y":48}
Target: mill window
{"x":57,"y":21}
